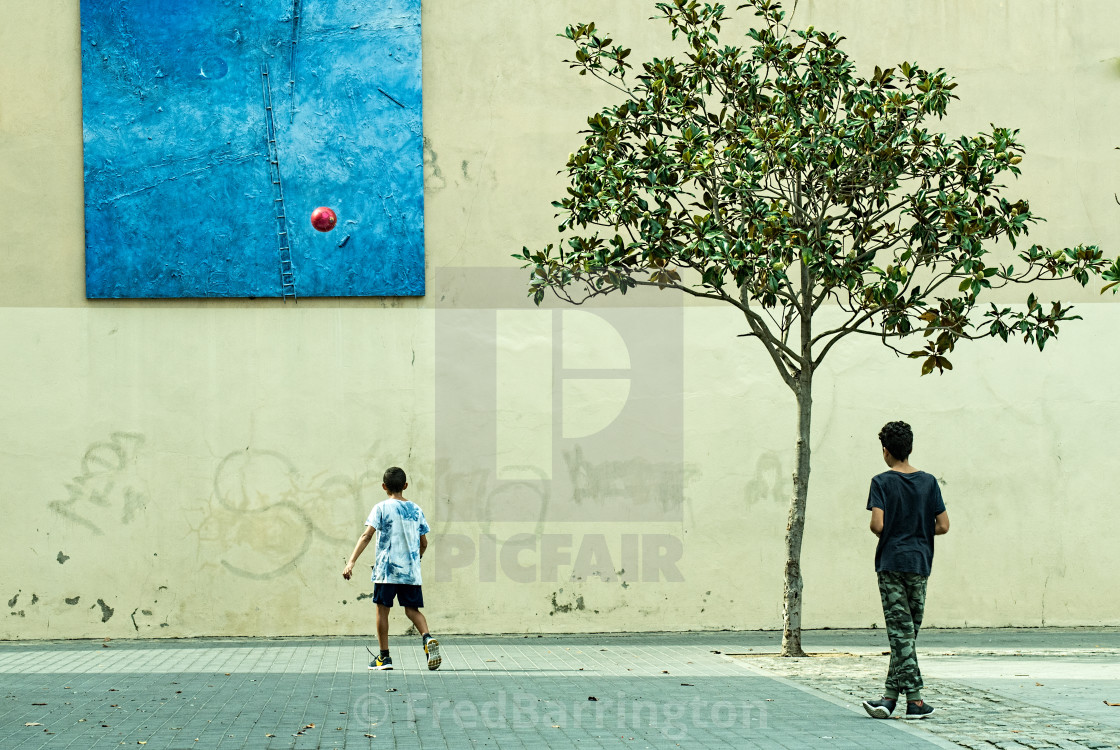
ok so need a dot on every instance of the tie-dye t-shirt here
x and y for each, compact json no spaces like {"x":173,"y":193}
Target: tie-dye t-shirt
{"x":399,"y":525}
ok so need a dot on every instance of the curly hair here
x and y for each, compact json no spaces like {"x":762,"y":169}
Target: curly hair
{"x":898,"y":439}
{"x":394,"y":479}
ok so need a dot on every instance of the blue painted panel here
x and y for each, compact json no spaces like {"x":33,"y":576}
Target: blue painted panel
{"x":180,"y":197}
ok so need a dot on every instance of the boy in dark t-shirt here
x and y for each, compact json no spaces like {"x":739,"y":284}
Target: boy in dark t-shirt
{"x":906,"y":513}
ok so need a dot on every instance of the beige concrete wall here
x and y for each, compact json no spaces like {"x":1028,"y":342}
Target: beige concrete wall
{"x":186,"y":468}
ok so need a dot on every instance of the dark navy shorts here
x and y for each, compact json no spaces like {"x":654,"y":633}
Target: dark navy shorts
{"x":407,"y":594}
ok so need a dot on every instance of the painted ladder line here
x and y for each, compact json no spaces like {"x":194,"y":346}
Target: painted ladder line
{"x":292,"y":60}
{"x":287,"y":275}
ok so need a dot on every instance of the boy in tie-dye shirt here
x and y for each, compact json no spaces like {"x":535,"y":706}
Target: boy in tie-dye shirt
{"x":401,"y":531}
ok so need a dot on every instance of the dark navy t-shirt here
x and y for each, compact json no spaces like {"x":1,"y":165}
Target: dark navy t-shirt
{"x":910,"y":502}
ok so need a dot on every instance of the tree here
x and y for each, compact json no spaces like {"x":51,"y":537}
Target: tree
{"x":774,"y":178}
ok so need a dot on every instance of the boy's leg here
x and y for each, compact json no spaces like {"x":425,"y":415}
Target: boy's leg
{"x":916,"y":603}
{"x":894,"y":594}
{"x":431,"y":645}
{"x":412,"y":602}
{"x":417,"y":618}
{"x":383,"y":627}
{"x":897,"y":590}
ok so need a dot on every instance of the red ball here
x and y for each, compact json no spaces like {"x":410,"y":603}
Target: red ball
{"x":323,"y":219}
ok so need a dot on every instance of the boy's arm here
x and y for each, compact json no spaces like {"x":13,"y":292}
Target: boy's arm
{"x":941,"y":523}
{"x":876,"y":521}
{"x":423,"y":544}
{"x":363,"y":541}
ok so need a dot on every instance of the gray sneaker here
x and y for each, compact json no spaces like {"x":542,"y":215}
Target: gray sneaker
{"x":917,"y":710}
{"x":880,"y":709}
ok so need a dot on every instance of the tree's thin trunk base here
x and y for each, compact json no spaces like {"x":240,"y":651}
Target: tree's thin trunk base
{"x":795,"y":528}
{"x":791,"y":631}
{"x":791,"y":646}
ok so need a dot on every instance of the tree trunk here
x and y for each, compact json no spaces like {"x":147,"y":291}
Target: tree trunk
{"x":795,"y":528}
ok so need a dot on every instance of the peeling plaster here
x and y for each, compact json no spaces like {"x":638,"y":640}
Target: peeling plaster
{"x":578,"y":606}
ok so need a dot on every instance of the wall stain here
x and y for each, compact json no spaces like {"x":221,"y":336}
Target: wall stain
{"x":576,"y":606}
{"x":655,"y":488}
{"x":480,"y":496}
{"x":106,"y":610}
{"x":62,"y":558}
{"x":72,"y":600}
{"x":13,"y":600}
{"x":769,"y":484}
{"x":108,"y":482}
{"x":433,"y":175}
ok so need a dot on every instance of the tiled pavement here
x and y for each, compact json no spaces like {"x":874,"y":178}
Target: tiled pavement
{"x":511,"y":692}
{"x":668,"y":690}
{"x":989,"y":696}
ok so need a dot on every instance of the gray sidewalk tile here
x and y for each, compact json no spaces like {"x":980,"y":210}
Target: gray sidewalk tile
{"x":651,"y":691}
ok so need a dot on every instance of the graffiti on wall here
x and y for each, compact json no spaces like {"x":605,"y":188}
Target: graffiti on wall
{"x":107,"y":490}
{"x":266,"y":515}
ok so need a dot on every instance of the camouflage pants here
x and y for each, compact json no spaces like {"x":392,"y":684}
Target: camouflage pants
{"x":904,"y":601}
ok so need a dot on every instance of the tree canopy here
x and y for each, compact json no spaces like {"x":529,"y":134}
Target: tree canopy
{"x":744,"y":173}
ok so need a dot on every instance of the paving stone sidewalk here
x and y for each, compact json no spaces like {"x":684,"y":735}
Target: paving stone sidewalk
{"x":1001,"y":695}
{"x":661,"y":691}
